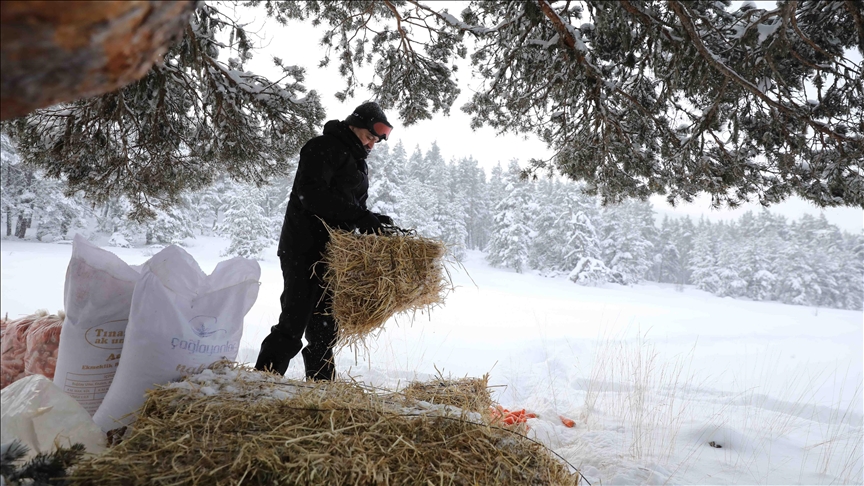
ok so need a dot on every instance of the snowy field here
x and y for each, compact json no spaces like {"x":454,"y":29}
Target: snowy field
{"x":649,"y":373}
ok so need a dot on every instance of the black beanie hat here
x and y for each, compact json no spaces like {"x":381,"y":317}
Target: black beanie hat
{"x":366,"y":115}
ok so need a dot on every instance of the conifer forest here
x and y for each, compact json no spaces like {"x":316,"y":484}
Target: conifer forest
{"x":742,"y":103}
{"x":548,"y":225}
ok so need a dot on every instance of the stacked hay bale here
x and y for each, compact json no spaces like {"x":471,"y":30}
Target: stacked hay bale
{"x":471,"y":394}
{"x":233,"y":425}
{"x":373,"y":277}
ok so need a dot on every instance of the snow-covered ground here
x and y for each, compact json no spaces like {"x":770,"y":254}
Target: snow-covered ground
{"x":649,"y":373}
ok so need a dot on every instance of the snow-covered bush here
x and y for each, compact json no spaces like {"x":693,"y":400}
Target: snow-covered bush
{"x":118,"y":240}
{"x":591,"y":271}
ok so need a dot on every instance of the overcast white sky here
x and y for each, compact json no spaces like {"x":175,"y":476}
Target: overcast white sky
{"x":299,"y":44}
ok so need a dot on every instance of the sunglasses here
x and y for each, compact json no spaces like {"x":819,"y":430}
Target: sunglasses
{"x":380,"y":130}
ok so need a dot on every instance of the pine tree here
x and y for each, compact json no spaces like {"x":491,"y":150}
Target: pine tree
{"x":212,"y":203}
{"x":816,"y":261}
{"x":427,"y":203}
{"x":274,"y":202}
{"x":420,"y":166}
{"x":547,"y":246}
{"x":567,"y":237}
{"x":756,"y":267}
{"x":58,"y":214}
{"x":16,"y":196}
{"x":626,"y":235}
{"x":496,"y":190}
{"x":432,"y":163}
{"x":703,"y":260}
{"x":416,"y":211}
{"x":245,"y":223}
{"x":470,"y":195}
{"x":635,"y":97}
{"x":851,"y":274}
{"x":446,"y":212}
{"x":584,"y":240}
{"x":171,"y":227}
{"x":511,"y":232}
{"x":193,"y":117}
{"x":728,"y":251}
{"x":666,"y":256}
{"x":563,"y":228}
{"x":33,"y":201}
{"x":454,"y":234}
{"x":386,"y":181}
{"x":110,"y":219}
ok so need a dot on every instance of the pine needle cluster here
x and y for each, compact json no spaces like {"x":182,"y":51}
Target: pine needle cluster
{"x":42,"y":470}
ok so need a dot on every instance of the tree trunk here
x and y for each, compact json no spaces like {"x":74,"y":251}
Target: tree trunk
{"x":64,"y":226}
{"x":8,"y":209}
{"x":21,"y":226}
{"x":54,"y":52}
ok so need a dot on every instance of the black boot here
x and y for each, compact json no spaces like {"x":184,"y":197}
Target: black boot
{"x":318,"y":354}
{"x":319,"y":364}
{"x":276,"y":352}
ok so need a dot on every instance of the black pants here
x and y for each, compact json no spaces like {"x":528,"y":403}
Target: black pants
{"x":304,"y":307}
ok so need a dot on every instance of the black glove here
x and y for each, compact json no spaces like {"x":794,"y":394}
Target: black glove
{"x":384,"y":219}
{"x":368,"y":224}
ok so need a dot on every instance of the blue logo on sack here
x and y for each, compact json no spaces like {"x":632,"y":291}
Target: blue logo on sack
{"x":203,"y":326}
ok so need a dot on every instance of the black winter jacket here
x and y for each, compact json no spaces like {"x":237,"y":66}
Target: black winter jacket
{"x":331,"y":183}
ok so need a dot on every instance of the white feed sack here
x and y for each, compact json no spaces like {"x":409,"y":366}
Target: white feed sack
{"x":97,"y":297}
{"x":180,"y":322}
{"x":42,"y":416}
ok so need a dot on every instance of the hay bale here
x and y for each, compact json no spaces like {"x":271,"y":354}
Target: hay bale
{"x":233,"y":425}
{"x":471,"y":394}
{"x":373,"y":277}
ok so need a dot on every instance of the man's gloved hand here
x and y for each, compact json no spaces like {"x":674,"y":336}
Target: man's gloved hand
{"x":384,"y":219}
{"x":369,"y":224}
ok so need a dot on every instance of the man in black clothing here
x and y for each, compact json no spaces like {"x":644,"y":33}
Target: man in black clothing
{"x":330,"y":187}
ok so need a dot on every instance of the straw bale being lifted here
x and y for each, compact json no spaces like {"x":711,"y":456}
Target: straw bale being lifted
{"x":233,"y":425}
{"x":373,"y":277}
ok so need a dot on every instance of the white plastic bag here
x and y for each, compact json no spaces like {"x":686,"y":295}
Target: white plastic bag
{"x":41,"y":416}
{"x":97,"y":297}
{"x":181,"y":321}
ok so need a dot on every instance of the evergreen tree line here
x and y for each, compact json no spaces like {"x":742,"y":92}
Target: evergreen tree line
{"x":547,"y":225}
{"x":36,"y":206}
